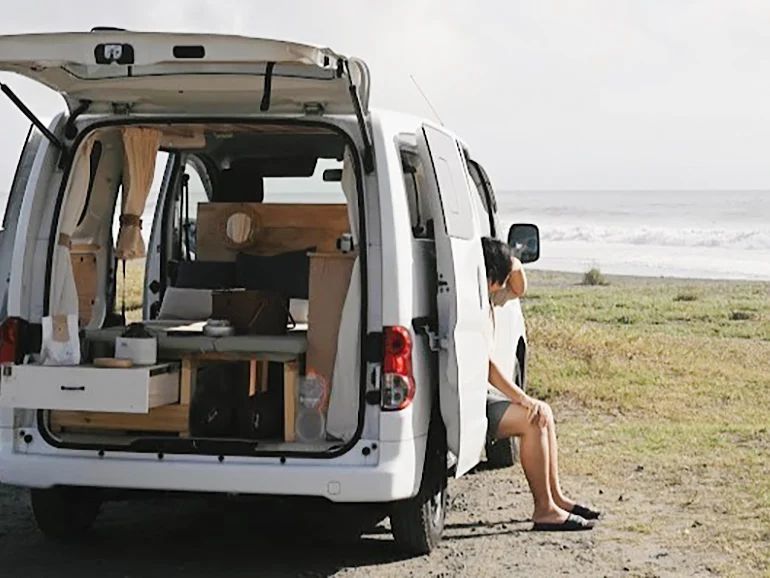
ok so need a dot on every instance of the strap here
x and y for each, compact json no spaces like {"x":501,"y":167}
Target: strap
{"x":131,"y":220}
{"x":257,"y":313}
{"x":186,"y":205}
{"x":123,"y":305}
{"x":64,"y":241}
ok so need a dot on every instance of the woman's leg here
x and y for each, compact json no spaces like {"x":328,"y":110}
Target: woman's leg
{"x":553,"y":452}
{"x":535,"y":460}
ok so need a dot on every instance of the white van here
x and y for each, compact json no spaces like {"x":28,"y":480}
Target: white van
{"x":314,"y":291}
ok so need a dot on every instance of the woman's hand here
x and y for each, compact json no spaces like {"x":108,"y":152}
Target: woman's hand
{"x":517,"y":280}
{"x":537,"y":411}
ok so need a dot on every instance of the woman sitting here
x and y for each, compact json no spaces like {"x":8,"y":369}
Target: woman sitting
{"x":514,"y":413}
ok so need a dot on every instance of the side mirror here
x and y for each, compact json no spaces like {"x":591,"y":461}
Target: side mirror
{"x":524,"y":240}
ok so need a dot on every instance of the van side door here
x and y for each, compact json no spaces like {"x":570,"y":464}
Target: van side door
{"x":462,"y":299}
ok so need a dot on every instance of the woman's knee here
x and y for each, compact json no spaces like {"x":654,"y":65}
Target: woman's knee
{"x":549,"y":415}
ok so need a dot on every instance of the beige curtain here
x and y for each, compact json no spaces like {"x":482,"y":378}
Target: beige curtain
{"x":351,"y":192}
{"x":140,"y":149}
{"x":64,"y":294}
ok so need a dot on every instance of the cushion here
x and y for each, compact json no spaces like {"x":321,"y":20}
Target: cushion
{"x":205,"y":275}
{"x":287,"y":273}
{"x":186,"y":304}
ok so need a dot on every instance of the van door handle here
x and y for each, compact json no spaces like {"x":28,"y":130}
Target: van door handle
{"x":73,"y":387}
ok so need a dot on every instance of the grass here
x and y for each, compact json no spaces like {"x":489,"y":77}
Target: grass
{"x":134,"y":284}
{"x":675,"y":379}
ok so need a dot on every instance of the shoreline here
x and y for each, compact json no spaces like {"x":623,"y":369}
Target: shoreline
{"x":572,"y":278}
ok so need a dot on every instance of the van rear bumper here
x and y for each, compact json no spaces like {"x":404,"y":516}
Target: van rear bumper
{"x":390,"y":472}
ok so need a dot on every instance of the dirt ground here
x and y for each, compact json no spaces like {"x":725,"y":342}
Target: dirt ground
{"x":487,"y":534}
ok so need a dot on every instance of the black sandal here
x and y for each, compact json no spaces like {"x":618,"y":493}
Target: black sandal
{"x":573,"y":523}
{"x":585,"y":512}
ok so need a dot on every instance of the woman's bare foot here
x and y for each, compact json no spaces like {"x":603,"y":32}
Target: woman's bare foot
{"x":553,"y":515}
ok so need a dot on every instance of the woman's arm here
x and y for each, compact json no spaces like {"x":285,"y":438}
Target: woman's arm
{"x":517,"y":281}
{"x":536,"y":409}
{"x":506,"y":387}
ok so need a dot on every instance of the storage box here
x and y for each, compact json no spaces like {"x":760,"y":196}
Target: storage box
{"x":89,"y":388}
{"x":141,"y":351}
{"x":250,"y":311}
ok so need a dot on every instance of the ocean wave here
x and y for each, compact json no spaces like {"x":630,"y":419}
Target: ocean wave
{"x":752,"y":240}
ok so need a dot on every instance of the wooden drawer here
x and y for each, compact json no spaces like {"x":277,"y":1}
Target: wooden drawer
{"x":88,"y":388}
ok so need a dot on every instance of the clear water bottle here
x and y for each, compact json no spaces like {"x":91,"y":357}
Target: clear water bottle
{"x":310,"y":424}
{"x":312,"y":391}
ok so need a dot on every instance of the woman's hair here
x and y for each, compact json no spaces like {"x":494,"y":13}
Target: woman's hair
{"x":497,"y":258}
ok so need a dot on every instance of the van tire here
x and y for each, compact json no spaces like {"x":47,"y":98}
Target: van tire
{"x":504,"y":453}
{"x":418,"y":523}
{"x":65,"y":513}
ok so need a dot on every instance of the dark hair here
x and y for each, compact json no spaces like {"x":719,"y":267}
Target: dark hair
{"x":497,"y":259}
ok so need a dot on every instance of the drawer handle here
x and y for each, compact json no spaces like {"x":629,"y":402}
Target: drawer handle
{"x":73,"y":388}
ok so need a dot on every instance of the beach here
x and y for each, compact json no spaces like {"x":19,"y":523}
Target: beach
{"x":709,"y":234}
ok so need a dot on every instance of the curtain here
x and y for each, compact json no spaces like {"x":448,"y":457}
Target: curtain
{"x":349,"y":181}
{"x":140,"y":149}
{"x":64,"y":294}
{"x":342,"y":416}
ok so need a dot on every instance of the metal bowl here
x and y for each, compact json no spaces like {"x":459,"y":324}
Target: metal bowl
{"x":218,"y":328}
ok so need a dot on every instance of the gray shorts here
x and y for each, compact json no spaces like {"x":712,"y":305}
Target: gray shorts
{"x":496,"y":408}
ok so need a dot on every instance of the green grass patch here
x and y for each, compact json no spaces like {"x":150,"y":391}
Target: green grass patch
{"x":665,"y":383}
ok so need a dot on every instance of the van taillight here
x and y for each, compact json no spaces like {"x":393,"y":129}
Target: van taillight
{"x":397,"y":379}
{"x":9,"y":340}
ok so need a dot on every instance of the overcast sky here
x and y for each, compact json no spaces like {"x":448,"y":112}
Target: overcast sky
{"x":607,"y":94}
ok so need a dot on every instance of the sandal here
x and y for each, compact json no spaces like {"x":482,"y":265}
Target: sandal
{"x":586,"y":513}
{"x":573,"y":523}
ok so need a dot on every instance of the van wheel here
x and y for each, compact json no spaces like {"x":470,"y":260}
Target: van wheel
{"x":65,"y":513}
{"x":418,"y":523}
{"x":504,"y":453}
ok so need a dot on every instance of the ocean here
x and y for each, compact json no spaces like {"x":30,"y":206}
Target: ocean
{"x":690,"y":234}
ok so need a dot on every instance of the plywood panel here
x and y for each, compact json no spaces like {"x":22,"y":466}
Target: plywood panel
{"x":167,"y":418}
{"x":329,"y":282}
{"x":278,"y":228}
{"x":84,"y":270}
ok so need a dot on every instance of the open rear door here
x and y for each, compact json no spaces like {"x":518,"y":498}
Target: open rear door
{"x":462,"y":302}
{"x":151,"y":72}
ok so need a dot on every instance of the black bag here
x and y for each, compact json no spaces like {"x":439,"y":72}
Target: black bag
{"x":213,"y":408}
{"x":261,"y":417}
{"x":205,"y":275}
{"x":287,"y":273}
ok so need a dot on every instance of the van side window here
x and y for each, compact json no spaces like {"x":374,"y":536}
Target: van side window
{"x":483,"y":196}
{"x":305,"y":181}
{"x":127,"y":292}
{"x":192,"y":192}
{"x":413,"y":173}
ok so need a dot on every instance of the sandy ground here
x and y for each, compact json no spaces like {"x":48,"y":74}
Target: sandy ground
{"x":487,"y":535}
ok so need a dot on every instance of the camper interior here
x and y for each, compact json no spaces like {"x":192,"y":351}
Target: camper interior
{"x":249,"y":335}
